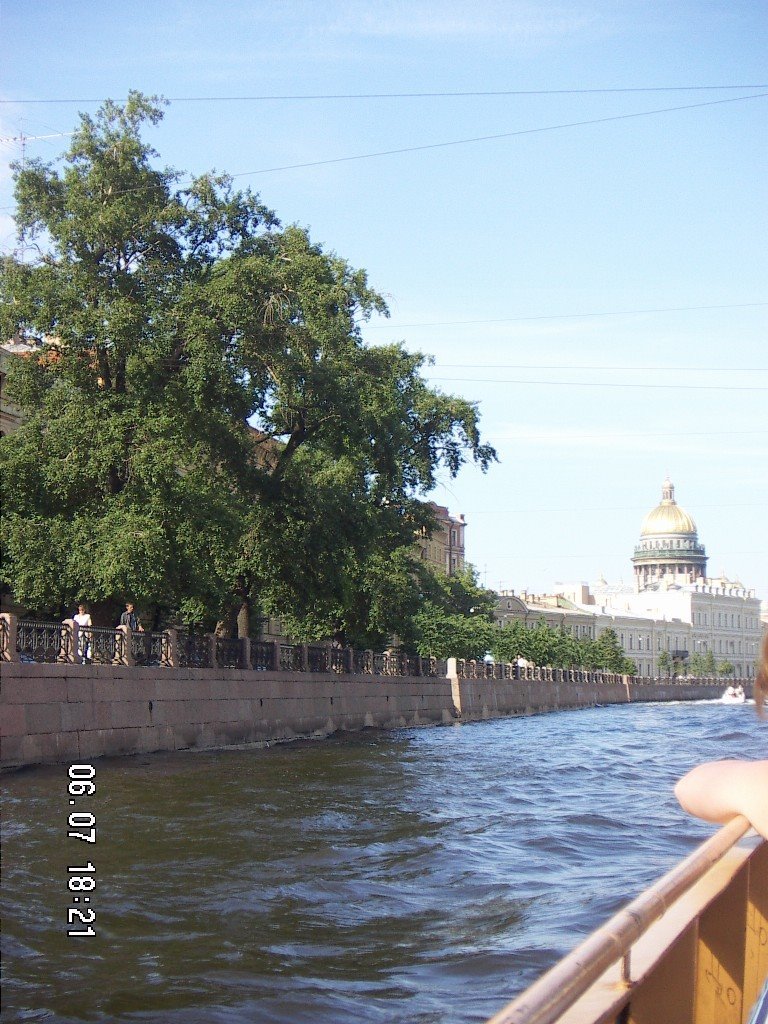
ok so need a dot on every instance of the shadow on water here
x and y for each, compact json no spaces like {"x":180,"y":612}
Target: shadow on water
{"x":414,"y":876}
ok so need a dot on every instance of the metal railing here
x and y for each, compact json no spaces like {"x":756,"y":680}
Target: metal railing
{"x":601,"y":969}
{"x":339,"y":660}
{"x":33,"y":641}
{"x":229,"y":652}
{"x":101,"y":646}
{"x":262,"y":655}
{"x":481,"y":669}
{"x":318,"y":659}
{"x":149,"y":648}
{"x":290,"y":658}
{"x":43,"y":641}
{"x":194,"y":650}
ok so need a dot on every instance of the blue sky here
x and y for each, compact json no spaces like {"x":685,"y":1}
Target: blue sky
{"x":600,"y":289}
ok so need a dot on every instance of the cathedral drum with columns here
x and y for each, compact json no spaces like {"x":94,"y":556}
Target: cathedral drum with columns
{"x":669,"y":546}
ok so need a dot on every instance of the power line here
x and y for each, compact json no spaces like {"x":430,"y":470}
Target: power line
{"x":599,"y":384}
{"x":631,"y":436}
{"x":437,"y":94}
{"x":583,"y":366}
{"x":598,"y":554}
{"x":601,"y":508}
{"x":561,"y":316}
{"x":461,"y":142}
{"x":502,"y":135}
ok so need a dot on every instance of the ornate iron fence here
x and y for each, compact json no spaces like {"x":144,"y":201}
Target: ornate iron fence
{"x":149,"y":648}
{"x":194,"y":650}
{"x":43,"y":641}
{"x":339,"y":660}
{"x":54,"y":642}
{"x":262,"y":655}
{"x":290,"y":658}
{"x":317,"y":658}
{"x":362,"y":662}
{"x":4,"y":637}
{"x":101,"y":646}
{"x":229,"y":652}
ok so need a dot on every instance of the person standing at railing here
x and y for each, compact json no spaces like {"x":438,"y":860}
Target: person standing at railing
{"x":719,"y":790}
{"x":84,"y":623}
{"x":130,"y":619}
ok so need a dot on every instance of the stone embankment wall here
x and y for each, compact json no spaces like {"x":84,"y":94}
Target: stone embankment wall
{"x":67,"y":712}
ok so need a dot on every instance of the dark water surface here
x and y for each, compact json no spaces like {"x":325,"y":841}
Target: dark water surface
{"x":424,"y":875}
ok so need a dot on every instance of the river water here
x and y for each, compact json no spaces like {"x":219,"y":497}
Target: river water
{"x":417,"y":876}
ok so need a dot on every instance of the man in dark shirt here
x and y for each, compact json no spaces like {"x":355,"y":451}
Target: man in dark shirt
{"x":130,"y":618}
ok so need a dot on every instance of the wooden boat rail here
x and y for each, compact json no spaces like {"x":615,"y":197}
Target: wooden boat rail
{"x":691,"y":949}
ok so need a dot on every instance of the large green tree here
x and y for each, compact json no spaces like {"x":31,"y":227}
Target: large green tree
{"x":204,"y":426}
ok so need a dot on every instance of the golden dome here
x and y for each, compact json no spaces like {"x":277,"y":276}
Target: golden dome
{"x":668,"y":517}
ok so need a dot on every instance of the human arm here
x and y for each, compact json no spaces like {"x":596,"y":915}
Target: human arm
{"x":719,"y":790}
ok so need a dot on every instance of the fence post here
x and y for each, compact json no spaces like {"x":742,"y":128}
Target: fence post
{"x":171,"y":656}
{"x":452,"y":672}
{"x":8,"y":632}
{"x":74,"y":629}
{"x":276,"y":655}
{"x":349,"y":660}
{"x":127,"y":658}
{"x":71,"y":626}
{"x":304,"y":657}
{"x":213,"y":642}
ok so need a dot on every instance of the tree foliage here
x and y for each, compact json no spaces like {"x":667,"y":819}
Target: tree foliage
{"x":204,"y":426}
{"x":455,"y":616}
{"x":456,"y":619}
{"x":702,"y":664}
{"x":558,"y":648}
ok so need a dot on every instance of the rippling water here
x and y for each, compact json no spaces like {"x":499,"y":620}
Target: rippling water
{"x":425,"y":875}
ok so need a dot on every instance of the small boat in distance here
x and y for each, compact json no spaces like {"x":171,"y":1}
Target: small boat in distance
{"x":734,"y":695}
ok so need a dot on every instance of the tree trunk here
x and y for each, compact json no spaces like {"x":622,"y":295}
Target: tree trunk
{"x":244,"y":619}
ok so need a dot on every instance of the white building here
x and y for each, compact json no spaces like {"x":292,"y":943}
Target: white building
{"x":674,"y":606}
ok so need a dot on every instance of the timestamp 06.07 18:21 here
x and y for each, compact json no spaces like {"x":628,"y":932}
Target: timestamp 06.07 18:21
{"x":82,"y":877}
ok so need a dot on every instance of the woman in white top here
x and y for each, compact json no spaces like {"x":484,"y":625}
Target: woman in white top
{"x":83,"y":620}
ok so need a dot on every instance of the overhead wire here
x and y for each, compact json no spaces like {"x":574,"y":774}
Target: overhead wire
{"x":501,"y":135}
{"x":598,"y":384}
{"x":436,"y":94}
{"x":603,"y":508}
{"x":586,"y":366}
{"x":559,"y":316}
{"x":473,"y":139}
{"x":628,"y":436}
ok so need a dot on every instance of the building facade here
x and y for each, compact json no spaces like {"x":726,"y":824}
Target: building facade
{"x":444,"y":549}
{"x":673,"y":608}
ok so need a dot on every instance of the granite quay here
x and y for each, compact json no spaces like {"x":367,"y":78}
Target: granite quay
{"x":68,"y":696}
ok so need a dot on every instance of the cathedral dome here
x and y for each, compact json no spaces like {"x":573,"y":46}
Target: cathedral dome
{"x":668,"y":517}
{"x":669,"y":552}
